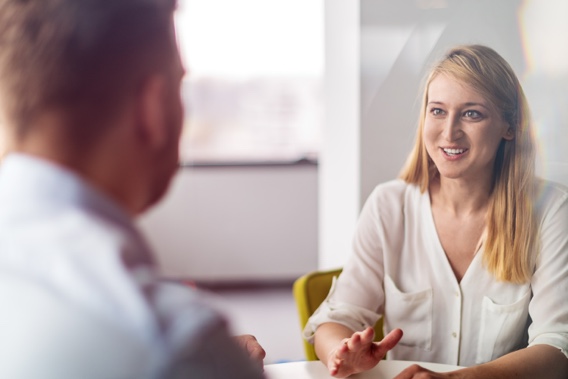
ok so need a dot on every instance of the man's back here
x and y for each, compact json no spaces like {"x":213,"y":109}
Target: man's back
{"x":43,"y":336}
{"x":81,"y":297}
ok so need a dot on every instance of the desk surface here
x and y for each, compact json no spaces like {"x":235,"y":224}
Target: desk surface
{"x":316,"y":370}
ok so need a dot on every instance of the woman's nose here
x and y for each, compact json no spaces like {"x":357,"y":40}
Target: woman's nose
{"x":452,"y":129}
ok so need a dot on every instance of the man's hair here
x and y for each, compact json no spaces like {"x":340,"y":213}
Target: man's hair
{"x":512,"y":233}
{"x":81,"y":57}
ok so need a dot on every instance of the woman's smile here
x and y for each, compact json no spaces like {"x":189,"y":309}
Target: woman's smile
{"x":454,"y":153}
{"x":462,"y":131}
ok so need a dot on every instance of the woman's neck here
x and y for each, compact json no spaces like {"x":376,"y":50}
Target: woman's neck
{"x":459,"y":197}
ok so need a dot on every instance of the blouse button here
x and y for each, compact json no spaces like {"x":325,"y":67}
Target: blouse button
{"x":454,"y":334}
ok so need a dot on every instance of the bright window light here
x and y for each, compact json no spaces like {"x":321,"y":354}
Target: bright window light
{"x":253,"y":92}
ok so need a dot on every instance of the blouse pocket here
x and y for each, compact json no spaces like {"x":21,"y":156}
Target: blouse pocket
{"x":502,"y":327}
{"x":412,"y":312}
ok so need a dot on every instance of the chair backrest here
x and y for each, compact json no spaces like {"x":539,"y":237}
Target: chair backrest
{"x":310,"y":291}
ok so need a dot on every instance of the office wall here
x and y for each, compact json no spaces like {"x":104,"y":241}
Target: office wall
{"x":340,"y":159}
{"x":396,"y":42}
{"x":237,"y":223}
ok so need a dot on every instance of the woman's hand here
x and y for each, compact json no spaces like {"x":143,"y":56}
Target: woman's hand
{"x":359,"y":353}
{"x":539,"y":361}
{"x":419,"y":372}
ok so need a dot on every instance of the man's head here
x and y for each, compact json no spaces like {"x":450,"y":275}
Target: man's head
{"x":82,"y":56}
{"x":85,"y":62}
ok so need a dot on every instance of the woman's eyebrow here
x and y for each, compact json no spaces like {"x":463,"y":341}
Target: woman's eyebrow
{"x":471,"y":104}
{"x":468,"y":104}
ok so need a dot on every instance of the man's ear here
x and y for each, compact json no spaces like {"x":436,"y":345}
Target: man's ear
{"x":151,"y":111}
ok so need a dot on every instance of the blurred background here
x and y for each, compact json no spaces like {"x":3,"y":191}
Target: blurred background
{"x":296,"y":109}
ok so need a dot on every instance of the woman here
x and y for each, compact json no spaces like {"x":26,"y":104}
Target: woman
{"x":467,"y":252}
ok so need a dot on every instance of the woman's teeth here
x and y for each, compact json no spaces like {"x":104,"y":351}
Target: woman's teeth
{"x":453,"y":151}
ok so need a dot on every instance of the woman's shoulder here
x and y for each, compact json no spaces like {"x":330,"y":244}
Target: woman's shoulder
{"x":396,"y":188}
{"x":550,"y":196}
{"x":395,"y":194}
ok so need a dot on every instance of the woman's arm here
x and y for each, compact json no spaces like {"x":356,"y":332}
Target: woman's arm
{"x":327,"y":337}
{"x":345,"y":352}
{"x":539,"y":361}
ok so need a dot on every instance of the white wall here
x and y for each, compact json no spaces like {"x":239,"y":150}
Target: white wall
{"x":339,"y":158}
{"x":237,"y":224}
{"x":396,"y":41}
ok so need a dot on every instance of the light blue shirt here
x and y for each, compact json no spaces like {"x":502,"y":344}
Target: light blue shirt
{"x":80,"y":297}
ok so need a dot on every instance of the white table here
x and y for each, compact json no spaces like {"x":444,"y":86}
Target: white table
{"x":316,"y":370}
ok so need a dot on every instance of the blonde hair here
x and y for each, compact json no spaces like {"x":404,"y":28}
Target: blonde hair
{"x":511,"y":229}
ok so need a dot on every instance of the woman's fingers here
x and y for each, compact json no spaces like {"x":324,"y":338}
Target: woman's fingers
{"x":390,"y":341}
{"x":367,"y":335}
{"x":359,"y":352}
{"x":361,"y":339}
{"x":354,"y":341}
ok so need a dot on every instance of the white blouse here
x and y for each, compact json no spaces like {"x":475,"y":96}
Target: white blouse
{"x":399,"y":270}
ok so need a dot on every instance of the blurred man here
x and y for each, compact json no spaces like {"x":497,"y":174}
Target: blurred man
{"x":89,"y":91}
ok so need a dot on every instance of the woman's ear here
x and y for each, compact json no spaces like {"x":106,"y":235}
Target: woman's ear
{"x":151,"y":111}
{"x":509,"y":134}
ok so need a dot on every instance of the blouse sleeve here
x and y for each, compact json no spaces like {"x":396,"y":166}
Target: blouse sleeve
{"x":549,"y":306}
{"x":357,"y":296}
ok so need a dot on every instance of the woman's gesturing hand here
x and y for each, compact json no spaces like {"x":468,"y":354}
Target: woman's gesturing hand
{"x":416,"y":371}
{"x":359,"y":353}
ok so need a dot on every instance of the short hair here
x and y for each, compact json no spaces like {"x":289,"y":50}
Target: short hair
{"x":80,"y":56}
{"x":511,"y":240}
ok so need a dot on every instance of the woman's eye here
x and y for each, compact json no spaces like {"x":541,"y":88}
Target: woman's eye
{"x":475,"y":115}
{"x":436,"y":111}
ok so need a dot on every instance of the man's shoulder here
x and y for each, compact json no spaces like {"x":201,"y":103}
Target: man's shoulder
{"x":68,"y":233}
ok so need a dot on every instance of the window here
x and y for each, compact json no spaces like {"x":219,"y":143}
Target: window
{"x":253,"y":92}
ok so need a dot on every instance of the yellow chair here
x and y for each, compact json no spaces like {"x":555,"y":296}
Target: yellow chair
{"x":310,"y":291}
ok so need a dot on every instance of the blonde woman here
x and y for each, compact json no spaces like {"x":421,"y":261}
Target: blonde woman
{"x":466,"y":255}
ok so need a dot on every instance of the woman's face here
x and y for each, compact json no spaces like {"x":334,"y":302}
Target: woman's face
{"x":462,"y":130}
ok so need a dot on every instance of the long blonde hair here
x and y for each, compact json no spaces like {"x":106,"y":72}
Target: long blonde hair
{"x":511,"y":228}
